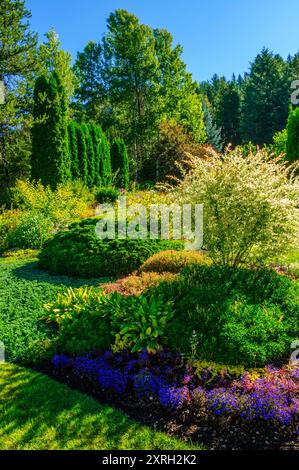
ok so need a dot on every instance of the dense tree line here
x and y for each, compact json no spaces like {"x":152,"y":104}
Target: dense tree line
{"x":255,"y":106}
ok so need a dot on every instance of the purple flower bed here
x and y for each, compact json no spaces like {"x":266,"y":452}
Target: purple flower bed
{"x":272,"y":396}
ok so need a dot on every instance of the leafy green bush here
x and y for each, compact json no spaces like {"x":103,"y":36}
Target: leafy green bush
{"x":106,"y":195}
{"x":83,"y":319}
{"x":40,"y":212}
{"x":70,"y":304}
{"x":88,"y":333}
{"x":238,"y":315}
{"x":31,"y":232}
{"x":173,"y":261}
{"x":79,"y":252}
{"x":250,"y":205}
{"x":139,"y":323}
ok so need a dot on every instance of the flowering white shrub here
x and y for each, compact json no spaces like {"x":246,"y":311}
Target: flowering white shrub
{"x":250,"y":205}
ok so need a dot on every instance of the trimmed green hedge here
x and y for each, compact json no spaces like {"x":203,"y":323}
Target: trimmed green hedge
{"x":79,"y":252}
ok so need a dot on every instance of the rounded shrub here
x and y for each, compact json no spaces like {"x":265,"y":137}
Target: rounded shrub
{"x":233,"y":316}
{"x":173,"y":261}
{"x":79,"y":252}
{"x":104,"y":195}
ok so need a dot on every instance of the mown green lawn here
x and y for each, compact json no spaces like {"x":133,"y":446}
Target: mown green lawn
{"x":37,"y":413}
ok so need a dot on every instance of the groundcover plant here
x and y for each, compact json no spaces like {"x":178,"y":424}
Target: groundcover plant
{"x":149,"y":228}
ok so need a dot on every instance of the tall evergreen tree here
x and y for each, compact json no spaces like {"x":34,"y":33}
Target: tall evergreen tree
{"x":50,"y":147}
{"x":52,"y":58}
{"x":293,"y":136}
{"x":227,"y":113}
{"x":266,"y":98}
{"x":17,"y":67}
{"x":82,"y":154}
{"x":105,"y":158}
{"x":73,"y":149}
{"x":212,"y":131}
{"x":95,"y":135}
{"x":90,"y":156}
{"x":120,"y":163}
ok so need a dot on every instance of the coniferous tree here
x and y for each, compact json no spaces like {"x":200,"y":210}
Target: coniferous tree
{"x":212,"y":131}
{"x":82,"y":154}
{"x":266,"y":98}
{"x":17,"y":68}
{"x":292,"y":146}
{"x":50,"y":147}
{"x":90,"y":156}
{"x":120,"y":163}
{"x":227,"y":113}
{"x":105,"y":158}
{"x":73,"y":149}
{"x":94,"y":132}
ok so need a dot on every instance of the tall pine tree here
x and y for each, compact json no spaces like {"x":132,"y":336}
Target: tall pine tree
{"x":212,"y":131}
{"x":266,"y":98}
{"x":17,"y":68}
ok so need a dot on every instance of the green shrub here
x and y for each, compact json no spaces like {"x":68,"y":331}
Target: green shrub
{"x":106,"y":195}
{"x":79,"y":252}
{"x":173,"y":261}
{"x":70,"y":304}
{"x":139,"y":323}
{"x":31,"y":232}
{"x":239,"y":316}
{"x":89,"y":333}
{"x":250,"y":205}
{"x":83,"y":318}
{"x":253,"y":334}
{"x":292,"y":144}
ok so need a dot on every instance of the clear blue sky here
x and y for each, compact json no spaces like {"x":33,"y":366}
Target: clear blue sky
{"x":218,"y":36}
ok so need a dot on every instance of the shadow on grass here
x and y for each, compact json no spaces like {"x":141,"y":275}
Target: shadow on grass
{"x":31,"y":272}
{"x":38,"y":413}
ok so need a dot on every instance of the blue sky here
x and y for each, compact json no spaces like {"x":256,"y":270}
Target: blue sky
{"x":219,"y":36}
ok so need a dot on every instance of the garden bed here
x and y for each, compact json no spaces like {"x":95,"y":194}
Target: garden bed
{"x":182,"y":411}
